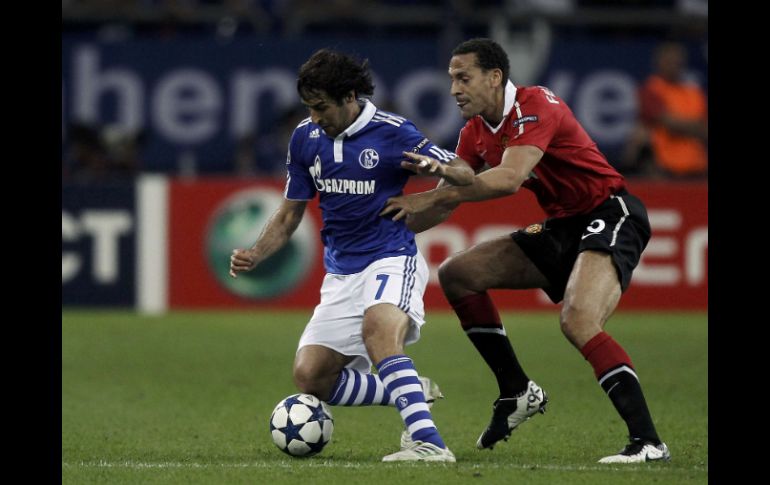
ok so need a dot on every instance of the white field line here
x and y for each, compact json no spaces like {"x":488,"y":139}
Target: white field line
{"x":350,"y":464}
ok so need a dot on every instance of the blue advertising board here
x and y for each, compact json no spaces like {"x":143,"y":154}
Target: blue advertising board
{"x":195,"y":98}
{"x":98,"y":245}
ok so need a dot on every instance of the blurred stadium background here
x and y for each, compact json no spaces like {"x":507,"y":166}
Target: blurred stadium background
{"x":176,"y":116}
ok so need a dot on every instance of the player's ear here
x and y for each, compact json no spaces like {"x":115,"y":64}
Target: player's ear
{"x":496,"y":77}
{"x":350,"y":96}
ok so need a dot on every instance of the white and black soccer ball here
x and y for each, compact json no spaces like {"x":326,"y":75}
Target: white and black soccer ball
{"x":301,"y":425}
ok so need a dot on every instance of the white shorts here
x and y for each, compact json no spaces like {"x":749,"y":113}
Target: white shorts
{"x":338,"y":318}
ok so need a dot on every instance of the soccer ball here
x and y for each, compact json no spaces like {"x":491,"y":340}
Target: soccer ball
{"x":301,"y":425}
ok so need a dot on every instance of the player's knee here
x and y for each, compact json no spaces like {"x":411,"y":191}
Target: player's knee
{"x":308,"y":381}
{"x":573,"y":317}
{"x":382,"y":342}
{"x":577,"y":321}
{"x":450,"y":274}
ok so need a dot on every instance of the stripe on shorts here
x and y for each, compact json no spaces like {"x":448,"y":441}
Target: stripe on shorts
{"x":410,"y":266}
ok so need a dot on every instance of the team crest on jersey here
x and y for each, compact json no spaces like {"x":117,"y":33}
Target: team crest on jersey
{"x":504,"y":141}
{"x":369,"y":158}
{"x":533,"y":229}
{"x":524,"y":119}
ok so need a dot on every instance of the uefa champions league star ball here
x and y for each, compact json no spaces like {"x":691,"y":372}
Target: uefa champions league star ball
{"x":301,"y":425}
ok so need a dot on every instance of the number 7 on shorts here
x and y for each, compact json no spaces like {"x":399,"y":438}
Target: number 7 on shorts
{"x":383,"y":279}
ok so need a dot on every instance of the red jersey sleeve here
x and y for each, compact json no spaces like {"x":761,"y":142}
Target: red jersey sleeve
{"x":536,"y":120}
{"x":466,"y":147}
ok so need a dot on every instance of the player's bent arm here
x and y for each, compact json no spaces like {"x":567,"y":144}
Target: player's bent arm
{"x":505,"y":179}
{"x":273,"y":237}
{"x":279,"y":228}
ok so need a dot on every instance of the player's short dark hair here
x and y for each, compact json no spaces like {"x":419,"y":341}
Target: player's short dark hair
{"x":335,"y":73}
{"x":490,"y":54}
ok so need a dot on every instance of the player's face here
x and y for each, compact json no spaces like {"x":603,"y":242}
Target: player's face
{"x":471,"y":86}
{"x":333,"y":118}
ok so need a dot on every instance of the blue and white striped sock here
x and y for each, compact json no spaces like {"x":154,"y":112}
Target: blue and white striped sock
{"x":400,"y":379}
{"x":354,"y":388}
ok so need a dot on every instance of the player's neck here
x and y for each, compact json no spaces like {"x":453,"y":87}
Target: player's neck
{"x":354,"y":111}
{"x":494,"y":114}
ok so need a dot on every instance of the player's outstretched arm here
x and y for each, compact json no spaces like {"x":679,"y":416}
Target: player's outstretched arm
{"x":504,"y":179}
{"x":433,"y":216}
{"x":456,"y":172}
{"x":274,"y":235}
{"x":423,"y":221}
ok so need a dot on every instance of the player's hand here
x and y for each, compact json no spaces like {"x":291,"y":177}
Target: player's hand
{"x":404,"y":205}
{"x":423,"y":165}
{"x":241,"y":260}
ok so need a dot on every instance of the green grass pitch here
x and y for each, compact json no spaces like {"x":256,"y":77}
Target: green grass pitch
{"x":186,"y":398}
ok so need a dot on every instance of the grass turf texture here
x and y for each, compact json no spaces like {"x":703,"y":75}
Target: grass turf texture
{"x":186,"y":398}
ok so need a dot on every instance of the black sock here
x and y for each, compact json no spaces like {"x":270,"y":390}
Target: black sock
{"x":626,"y":395}
{"x":498,"y":353}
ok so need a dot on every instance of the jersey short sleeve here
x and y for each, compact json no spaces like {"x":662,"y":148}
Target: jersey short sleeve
{"x":411,"y":138}
{"x":299,"y":183}
{"x":466,"y":150}
{"x":537,"y":120}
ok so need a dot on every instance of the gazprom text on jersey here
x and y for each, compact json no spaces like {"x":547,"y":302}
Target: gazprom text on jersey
{"x":345,"y":186}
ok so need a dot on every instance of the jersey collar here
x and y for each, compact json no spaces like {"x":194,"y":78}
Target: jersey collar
{"x":366,"y":115}
{"x":510,"y":98}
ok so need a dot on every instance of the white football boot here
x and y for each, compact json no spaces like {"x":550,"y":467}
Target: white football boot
{"x":422,"y":451}
{"x":639,"y":452}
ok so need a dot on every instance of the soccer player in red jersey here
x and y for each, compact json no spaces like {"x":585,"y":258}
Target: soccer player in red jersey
{"x":583,"y":254}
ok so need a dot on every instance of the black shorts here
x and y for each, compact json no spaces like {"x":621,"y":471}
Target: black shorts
{"x":618,"y":226}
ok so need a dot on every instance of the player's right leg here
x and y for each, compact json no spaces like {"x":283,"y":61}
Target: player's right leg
{"x":317,"y":369}
{"x":465,"y":279}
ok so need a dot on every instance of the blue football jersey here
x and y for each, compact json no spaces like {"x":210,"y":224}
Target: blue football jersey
{"x":354,"y":174}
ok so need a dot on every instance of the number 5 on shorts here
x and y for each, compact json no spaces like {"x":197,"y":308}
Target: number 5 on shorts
{"x":383,"y":279}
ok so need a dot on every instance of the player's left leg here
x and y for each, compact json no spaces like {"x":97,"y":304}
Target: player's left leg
{"x":345,"y":380}
{"x":592,"y":293}
{"x":465,"y":279}
{"x":384,"y":330}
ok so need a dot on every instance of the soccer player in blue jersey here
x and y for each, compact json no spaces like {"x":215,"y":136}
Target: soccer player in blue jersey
{"x":352,"y":155}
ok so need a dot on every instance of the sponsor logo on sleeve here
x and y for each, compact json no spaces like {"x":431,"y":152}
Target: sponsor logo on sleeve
{"x":524,"y":119}
{"x":419,"y":146}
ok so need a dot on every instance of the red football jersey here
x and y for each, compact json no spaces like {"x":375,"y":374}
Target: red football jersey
{"x":571,"y":178}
